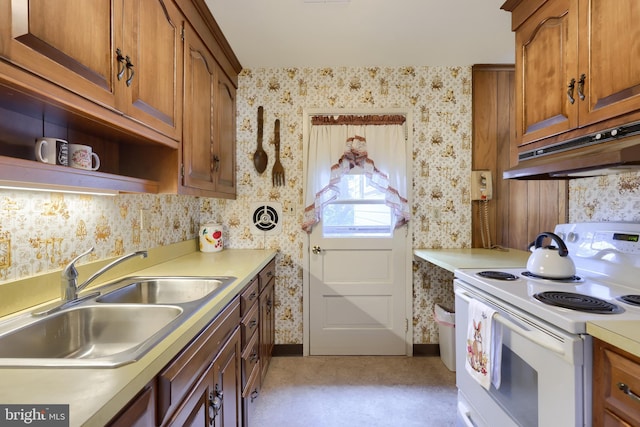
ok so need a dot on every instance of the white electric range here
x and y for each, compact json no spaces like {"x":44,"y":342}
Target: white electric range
{"x":546,"y":363}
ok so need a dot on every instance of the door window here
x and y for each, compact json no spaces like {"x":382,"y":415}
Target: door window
{"x":359,"y":210}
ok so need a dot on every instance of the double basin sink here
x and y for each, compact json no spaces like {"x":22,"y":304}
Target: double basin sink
{"x":127,"y":319}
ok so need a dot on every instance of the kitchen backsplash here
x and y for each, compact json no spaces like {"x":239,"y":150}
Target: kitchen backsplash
{"x":40,"y":232}
{"x":605,"y":198}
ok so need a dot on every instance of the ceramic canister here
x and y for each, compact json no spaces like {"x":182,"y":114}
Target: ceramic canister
{"x":210,"y":237}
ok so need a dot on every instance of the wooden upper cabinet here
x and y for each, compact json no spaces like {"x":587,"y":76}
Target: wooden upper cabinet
{"x":208,"y":146}
{"x":68,"y":42}
{"x":225,"y":166}
{"x":546,"y":48}
{"x":121,"y":54}
{"x":199,"y":118}
{"x":151,"y":87}
{"x":609,"y":33}
{"x":577,"y":64}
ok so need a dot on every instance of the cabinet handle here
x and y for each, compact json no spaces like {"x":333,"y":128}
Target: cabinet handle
{"x":626,"y":390}
{"x":216,"y":161}
{"x":581,"y":87}
{"x":252,"y":324}
{"x":122,"y":61}
{"x":252,"y":296}
{"x":269,"y":305}
{"x":253,"y":357}
{"x":130,"y":72}
{"x":570,"y":88}
{"x":254,"y":395}
{"x":215,"y":403}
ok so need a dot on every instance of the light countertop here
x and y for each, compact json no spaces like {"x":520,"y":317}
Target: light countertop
{"x":452,"y":259}
{"x":624,"y":334}
{"x":96,"y":395}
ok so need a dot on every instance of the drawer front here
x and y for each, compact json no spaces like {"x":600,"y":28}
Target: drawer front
{"x":249,"y":325}
{"x":250,"y":396}
{"x":178,"y":377}
{"x":267,"y":274}
{"x":250,"y":359}
{"x":249,"y":296}
{"x":624,"y":386}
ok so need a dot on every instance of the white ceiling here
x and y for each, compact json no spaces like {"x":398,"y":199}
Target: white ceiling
{"x":330,"y":33}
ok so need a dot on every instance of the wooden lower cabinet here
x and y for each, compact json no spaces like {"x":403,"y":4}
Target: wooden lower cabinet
{"x":616,"y":386}
{"x":267,"y":327}
{"x":216,"y":379}
{"x":140,"y":412}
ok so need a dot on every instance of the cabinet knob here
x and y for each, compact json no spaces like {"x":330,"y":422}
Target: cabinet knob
{"x":316,"y":249}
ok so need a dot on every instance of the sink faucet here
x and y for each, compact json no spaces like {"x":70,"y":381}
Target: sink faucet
{"x":69,"y":286}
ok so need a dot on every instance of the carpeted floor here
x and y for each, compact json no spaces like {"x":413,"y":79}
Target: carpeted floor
{"x":362,"y":391}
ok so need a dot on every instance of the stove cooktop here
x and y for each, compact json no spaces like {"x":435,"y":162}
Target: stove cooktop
{"x":521,"y":293}
{"x":607,"y":260}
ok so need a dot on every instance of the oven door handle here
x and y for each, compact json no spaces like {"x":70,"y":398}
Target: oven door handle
{"x":537,"y":337}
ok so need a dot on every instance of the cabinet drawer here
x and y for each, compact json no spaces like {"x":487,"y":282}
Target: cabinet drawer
{"x":249,"y":324}
{"x":249,"y":296}
{"x":175,"y":381}
{"x":250,"y":359}
{"x":267,"y":273}
{"x":250,"y":397}
{"x":623,"y":386}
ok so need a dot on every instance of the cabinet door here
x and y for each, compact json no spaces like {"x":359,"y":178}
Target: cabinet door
{"x":546,"y":55}
{"x":609,"y":58}
{"x":267,"y":326}
{"x":140,"y":412}
{"x":225,"y":149}
{"x":68,"y":42}
{"x":199,"y":122}
{"x":227,"y":384}
{"x":197,"y":409}
{"x":151,"y":86}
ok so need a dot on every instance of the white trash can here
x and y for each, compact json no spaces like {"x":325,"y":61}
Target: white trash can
{"x":447,"y":335}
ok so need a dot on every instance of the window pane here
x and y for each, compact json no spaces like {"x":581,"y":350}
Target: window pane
{"x":359,"y":211}
{"x":356,"y":220}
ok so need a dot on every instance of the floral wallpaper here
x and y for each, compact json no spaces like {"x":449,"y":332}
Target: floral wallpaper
{"x":605,"y":198}
{"x":40,"y":232}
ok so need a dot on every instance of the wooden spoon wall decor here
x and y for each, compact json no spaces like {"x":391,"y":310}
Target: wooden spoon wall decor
{"x":260,"y":157}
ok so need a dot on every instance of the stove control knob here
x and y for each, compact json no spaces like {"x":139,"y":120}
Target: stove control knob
{"x":572,"y":237}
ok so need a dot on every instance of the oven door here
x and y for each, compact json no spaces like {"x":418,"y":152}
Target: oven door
{"x":545,"y":371}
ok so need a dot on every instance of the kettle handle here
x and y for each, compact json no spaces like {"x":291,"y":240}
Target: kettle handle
{"x":562,"y":248}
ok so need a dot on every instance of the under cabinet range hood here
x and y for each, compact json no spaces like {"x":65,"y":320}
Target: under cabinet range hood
{"x":608,"y":152}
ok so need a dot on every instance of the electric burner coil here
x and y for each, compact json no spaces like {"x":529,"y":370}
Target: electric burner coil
{"x":578,"y":302}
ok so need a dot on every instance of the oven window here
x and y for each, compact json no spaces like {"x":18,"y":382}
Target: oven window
{"x":518,"y":392}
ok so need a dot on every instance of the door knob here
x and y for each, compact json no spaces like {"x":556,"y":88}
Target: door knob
{"x":316,"y":250}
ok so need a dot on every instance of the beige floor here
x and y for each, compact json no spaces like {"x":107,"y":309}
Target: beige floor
{"x":362,"y":391}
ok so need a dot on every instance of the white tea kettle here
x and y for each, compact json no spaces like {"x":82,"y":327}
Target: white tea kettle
{"x":550,"y":262}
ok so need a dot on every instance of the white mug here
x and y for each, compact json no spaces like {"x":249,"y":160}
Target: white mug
{"x":53,"y":151}
{"x":82,"y":157}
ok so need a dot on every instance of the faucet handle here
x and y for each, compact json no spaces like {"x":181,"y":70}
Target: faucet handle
{"x":70,"y":271}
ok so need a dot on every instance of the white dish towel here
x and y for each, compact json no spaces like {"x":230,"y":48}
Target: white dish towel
{"x":484,"y":345}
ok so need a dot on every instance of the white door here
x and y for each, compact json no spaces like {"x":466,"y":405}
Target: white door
{"x":357,"y":283}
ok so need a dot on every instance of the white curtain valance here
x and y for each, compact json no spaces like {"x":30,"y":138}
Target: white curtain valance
{"x":380,"y":149}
